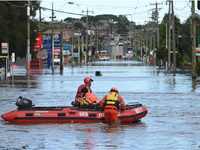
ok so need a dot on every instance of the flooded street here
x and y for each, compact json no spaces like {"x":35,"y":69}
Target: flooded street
{"x":172,"y":101}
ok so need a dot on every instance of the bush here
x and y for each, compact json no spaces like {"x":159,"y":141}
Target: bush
{"x":138,"y":52}
{"x":197,"y":69}
{"x":161,"y":53}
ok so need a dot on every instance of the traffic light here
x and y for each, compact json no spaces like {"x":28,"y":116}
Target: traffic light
{"x":99,"y":39}
{"x":84,"y":50}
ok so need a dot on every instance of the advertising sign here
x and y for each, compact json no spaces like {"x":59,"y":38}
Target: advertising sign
{"x":67,"y":47}
{"x":57,"y":55}
{"x":56,"y":38}
{"x":47,"y":46}
{"x":197,"y":51}
{"x":4,"y":47}
{"x":38,"y":44}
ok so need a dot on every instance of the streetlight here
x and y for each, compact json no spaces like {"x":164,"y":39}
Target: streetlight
{"x":71,"y":3}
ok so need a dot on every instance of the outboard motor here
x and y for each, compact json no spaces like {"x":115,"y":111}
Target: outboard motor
{"x":23,"y":103}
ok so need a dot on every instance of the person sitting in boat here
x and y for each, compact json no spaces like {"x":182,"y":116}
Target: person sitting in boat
{"x":88,"y":100}
{"x":111,"y":103}
{"x":88,"y":81}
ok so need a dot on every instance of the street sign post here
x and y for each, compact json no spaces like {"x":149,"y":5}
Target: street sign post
{"x":4,"y":47}
{"x":75,"y":54}
{"x":42,"y":54}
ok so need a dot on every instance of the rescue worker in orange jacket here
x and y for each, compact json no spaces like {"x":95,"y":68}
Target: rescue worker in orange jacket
{"x":88,"y":81}
{"x":111,"y":103}
{"x":88,"y":100}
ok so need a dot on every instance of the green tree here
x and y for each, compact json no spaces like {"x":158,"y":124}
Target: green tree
{"x":46,"y":26}
{"x":69,"y":19}
{"x":78,"y":25}
{"x":162,"y":52}
{"x":197,"y":69}
{"x":122,"y":23}
{"x":186,"y":40}
{"x":163,"y":29}
{"x":13,"y":20}
{"x":57,"y":26}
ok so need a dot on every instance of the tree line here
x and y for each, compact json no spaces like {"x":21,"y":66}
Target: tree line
{"x":13,"y":25}
{"x":183,"y":34}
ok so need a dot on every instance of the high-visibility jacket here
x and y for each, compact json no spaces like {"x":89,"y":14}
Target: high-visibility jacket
{"x":103,"y":102}
{"x":89,"y":99}
{"x":78,"y":94}
{"x":112,"y":99}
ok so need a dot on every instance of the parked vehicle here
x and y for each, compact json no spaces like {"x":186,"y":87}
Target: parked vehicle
{"x":129,"y":47}
{"x":103,"y":56}
{"x":120,"y":43}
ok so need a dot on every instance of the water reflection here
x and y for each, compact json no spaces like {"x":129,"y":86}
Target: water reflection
{"x":194,"y":84}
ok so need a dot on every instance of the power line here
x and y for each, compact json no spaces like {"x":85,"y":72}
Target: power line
{"x":113,"y":6}
{"x":63,"y":11}
{"x":184,"y":6}
{"x":137,"y":4}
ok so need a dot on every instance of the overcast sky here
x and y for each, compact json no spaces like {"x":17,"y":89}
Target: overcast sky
{"x":137,"y":10}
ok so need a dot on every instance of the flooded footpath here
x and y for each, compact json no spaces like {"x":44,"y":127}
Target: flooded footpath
{"x":172,"y":101}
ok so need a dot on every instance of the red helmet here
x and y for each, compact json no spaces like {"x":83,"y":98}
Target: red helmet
{"x":114,"y":89}
{"x":87,"y":80}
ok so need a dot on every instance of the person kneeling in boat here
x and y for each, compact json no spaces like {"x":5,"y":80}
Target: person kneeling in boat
{"x":88,"y":81}
{"x":111,"y":103}
{"x":89,"y":100}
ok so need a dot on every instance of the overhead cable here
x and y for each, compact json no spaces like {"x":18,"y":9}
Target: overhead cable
{"x":63,"y":11}
{"x":183,"y":7}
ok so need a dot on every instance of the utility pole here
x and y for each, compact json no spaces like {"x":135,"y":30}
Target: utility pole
{"x":82,"y":45}
{"x":90,"y":48}
{"x":41,"y":29}
{"x":97,"y":42}
{"x":28,"y":39}
{"x":78,"y":47}
{"x":158,"y":39}
{"x":169,"y":46}
{"x":193,"y":41}
{"x":173,"y":39}
{"x":52,"y":40}
{"x":146,"y":45}
{"x":150,"y":42}
{"x":166,"y":33}
{"x":87,"y":34}
{"x":72,"y":46}
{"x":61,"y":48}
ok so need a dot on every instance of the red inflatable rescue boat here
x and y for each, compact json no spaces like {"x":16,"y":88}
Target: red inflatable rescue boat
{"x":69,"y":114}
